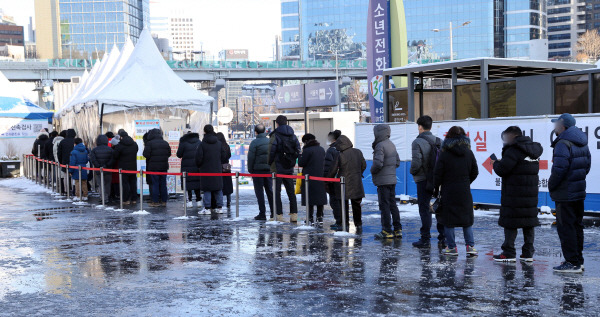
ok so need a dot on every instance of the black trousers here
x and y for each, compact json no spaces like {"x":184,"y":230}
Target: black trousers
{"x":266,"y":184}
{"x":424,"y":200}
{"x":291,"y":193}
{"x":336,"y":206}
{"x":356,"y":211}
{"x":569,"y":225}
{"x":129,"y":187}
{"x":510,"y":235}
{"x":386,"y":195}
{"x":194,"y":191}
{"x":311,"y":210}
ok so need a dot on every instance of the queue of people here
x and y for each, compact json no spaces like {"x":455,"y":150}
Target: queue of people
{"x":442,"y":170}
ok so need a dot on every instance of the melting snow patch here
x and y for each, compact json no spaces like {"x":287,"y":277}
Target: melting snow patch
{"x":342,"y":234}
{"x":184,"y":218}
{"x":140,"y":212}
{"x":80,"y":203}
{"x":274,"y":223}
{"x":371,"y":216}
{"x":25,"y":185}
{"x":99,"y":207}
{"x":235,"y":219}
{"x":109,"y":208}
{"x":305,"y":227}
{"x":404,"y":197}
{"x":120,"y":209}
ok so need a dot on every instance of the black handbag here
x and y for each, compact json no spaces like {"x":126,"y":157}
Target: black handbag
{"x":436,"y":207}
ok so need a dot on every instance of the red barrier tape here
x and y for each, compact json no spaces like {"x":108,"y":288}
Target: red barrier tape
{"x":290,"y":176}
{"x":255,"y":175}
{"x":160,"y":173}
{"x":324,"y":179}
{"x":211,"y":174}
{"x":129,"y":172}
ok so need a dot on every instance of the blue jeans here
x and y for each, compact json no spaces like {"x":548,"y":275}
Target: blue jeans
{"x":424,"y":199}
{"x":468,"y":233}
{"x":217,"y":195}
{"x":159,"y":188}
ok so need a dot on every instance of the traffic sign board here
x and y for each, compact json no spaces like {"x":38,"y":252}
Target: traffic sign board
{"x":322,"y":94}
{"x":289,"y":97}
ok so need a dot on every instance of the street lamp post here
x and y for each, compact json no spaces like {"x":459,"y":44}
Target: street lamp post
{"x":450,"y":29}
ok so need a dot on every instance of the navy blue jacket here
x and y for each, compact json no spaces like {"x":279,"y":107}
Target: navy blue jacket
{"x":79,"y":157}
{"x":102,"y":155}
{"x":571,"y":164}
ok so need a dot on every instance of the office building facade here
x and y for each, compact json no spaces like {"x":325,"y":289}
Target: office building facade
{"x":566,"y":21}
{"x":492,"y":28}
{"x":89,"y":28}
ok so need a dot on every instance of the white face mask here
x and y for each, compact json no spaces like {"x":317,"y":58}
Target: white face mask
{"x":328,"y":142}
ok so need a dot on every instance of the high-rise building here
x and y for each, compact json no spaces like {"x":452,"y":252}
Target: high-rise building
{"x":480,"y":28}
{"x":177,"y":25}
{"x":88,"y":28}
{"x":313,"y":29}
{"x":566,"y":21}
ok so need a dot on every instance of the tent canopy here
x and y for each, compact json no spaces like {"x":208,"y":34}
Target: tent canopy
{"x":13,"y":105}
{"x":142,"y":80}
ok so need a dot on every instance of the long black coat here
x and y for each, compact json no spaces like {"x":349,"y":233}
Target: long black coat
{"x":188,"y":146}
{"x":102,"y":155}
{"x":40,"y":144}
{"x":208,"y":159}
{"x":227,"y":180}
{"x":48,"y":149}
{"x":65,"y":147}
{"x":519,"y":170}
{"x":311,"y":160}
{"x":157,"y":152}
{"x":126,"y":153}
{"x":350,"y":164}
{"x":455,"y":170}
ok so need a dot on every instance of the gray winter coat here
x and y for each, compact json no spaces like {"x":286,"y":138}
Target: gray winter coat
{"x":55,"y":143}
{"x":385,"y":157}
{"x":420,"y":156}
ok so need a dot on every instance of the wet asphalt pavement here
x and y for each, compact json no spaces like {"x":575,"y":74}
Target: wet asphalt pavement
{"x":59,"y":259}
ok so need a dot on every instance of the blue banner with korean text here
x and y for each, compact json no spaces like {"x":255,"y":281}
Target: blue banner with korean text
{"x":378,"y":54}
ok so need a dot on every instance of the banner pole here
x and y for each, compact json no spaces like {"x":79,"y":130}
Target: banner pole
{"x":306,"y":200}
{"x":343,"y":197}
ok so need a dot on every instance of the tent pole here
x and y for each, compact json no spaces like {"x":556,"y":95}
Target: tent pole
{"x":101,"y":115}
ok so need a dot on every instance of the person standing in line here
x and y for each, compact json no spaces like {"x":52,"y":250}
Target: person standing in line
{"x":126,"y":153}
{"x":385,"y":162}
{"x":157,"y":152}
{"x":65,"y":147}
{"x":454,"y":172}
{"x":283,"y":152}
{"x":114,"y":183}
{"x":350,"y":164}
{"x":39,"y":142}
{"x":55,"y":144}
{"x":425,"y":150}
{"x":519,"y":169}
{"x":330,"y":156}
{"x":49,"y":146}
{"x":258,"y":158}
{"x":208,"y":159}
{"x":188,"y":146}
{"x":312,"y":160}
{"x":572,"y":162}
{"x":79,"y":157}
{"x":103,"y":156}
{"x":227,"y":181}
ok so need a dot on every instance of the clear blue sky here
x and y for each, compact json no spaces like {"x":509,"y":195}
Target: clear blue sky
{"x":223,"y":24}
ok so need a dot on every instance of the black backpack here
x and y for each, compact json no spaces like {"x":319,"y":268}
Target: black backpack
{"x":289,"y":153}
{"x":434,"y":154}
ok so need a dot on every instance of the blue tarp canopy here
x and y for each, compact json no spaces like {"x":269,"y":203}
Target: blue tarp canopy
{"x":15,"y":107}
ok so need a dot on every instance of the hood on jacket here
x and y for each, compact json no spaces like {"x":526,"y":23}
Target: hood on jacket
{"x":285,"y":130}
{"x":333,"y":144}
{"x":343,"y":143}
{"x":102,"y":140}
{"x":312,"y":143}
{"x":573,"y":134}
{"x":190,"y":138}
{"x":80,"y":147}
{"x":382,"y":132}
{"x":532,"y":149}
{"x":210,"y":138}
{"x":71,"y":133}
{"x":57,"y":139}
{"x":126,"y":140}
{"x":458,"y":146}
{"x":114,"y":141}
{"x":154,"y":134}
{"x":43,"y":136}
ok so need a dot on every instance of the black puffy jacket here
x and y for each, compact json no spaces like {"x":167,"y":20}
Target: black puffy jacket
{"x":330,"y":156}
{"x":283,"y":133}
{"x":38,"y":145}
{"x":208,"y":159}
{"x":126,"y":153}
{"x":350,"y":164}
{"x":188,"y":146}
{"x":571,"y":162}
{"x":65,"y":147}
{"x":519,"y":169}
{"x":157,"y":152}
{"x":48,"y":149}
{"x":102,"y":155}
{"x":311,"y":161}
{"x":454,"y":171}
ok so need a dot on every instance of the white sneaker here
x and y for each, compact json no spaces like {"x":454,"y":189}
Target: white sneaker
{"x":190,"y":204}
{"x":84,"y":198}
{"x":75,"y":198}
{"x":220,"y":210}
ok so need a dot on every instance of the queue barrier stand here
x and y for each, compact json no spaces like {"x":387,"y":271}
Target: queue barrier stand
{"x":274,"y":184}
{"x":68,"y":189}
{"x":185,"y":198}
{"x":237,"y":194}
{"x":39,"y":166}
{"x":343,"y":197}
{"x":102,"y":186}
{"x":308,"y":215}
{"x":120,"y":189}
{"x":141,"y":190}
{"x":80,"y":184}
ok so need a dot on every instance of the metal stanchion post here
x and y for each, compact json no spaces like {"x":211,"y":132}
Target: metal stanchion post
{"x":68,"y":182}
{"x":141,"y":190}
{"x":121,"y":188}
{"x":46,"y":174}
{"x":306,"y":200}
{"x":80,"y":186}
{"x":185,"y":198}
{"x":274,"y":184}
{"x":102,"y":186}
{"x":343,"y":198}
{"x":39,"y":165}
{"x":237,"y":194}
